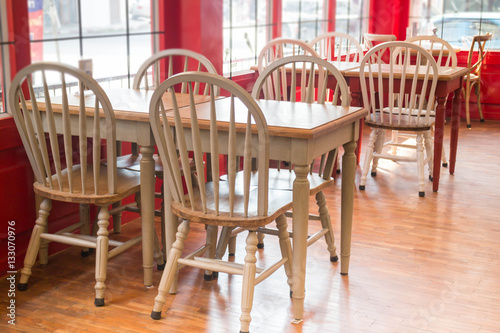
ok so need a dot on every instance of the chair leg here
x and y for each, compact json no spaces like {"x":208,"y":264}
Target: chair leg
{"x":477,"y":90}
{"x":395,"y":138}
{"x":43,"y":252}
{"x":85,"y":229}
{"x":34,"y":244}
{"x":101,"y":258}
{"x":232,"y":246}
{"x":260,"y":238}
{"x":248,"y":286}
{"x":420,"y":164}
{"x":368,"y":159}
{"x":286,"y":248}
{"x":467,"y":100}
{"x":429,"y":149}
{"x":224,"y":239}
{"x":158,"y":254}
{"x":379,"y":146}
{"x":326,"y":223}
{"x":211,"y":243}
{"x":170,"y":270}
{"x":117,"y":219}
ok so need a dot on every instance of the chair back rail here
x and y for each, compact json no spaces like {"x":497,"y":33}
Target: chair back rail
{"x":52,"y":168}
{"x":439,"y":48}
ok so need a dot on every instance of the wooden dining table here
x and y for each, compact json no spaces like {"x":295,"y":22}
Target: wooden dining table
{"x":450,"y":80}
{"x":299,"y":133}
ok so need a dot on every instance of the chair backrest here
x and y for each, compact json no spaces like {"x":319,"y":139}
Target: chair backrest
{"x":327,"y":85}
{"x":404,"y":97}
{"x":440,"y":49}
{"x":284,"y":78}
{"x":338,"y":47}
{"x":51,"y":156}
{"x":478,"y":45}
{"x":233,"y":137}
{"x":371,"y":40}
{"x":282,"y":47}
{"x":166,"y":63}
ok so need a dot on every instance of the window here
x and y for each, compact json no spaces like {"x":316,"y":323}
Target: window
{"x":4,"y":54}
{"x":246,"y":28}
{"x":456,"y":21}
{"x":248,"y":25}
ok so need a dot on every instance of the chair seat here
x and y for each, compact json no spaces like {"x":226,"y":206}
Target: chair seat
{"x":472,"y":77}
{"x":283,"y":180}
{"x":279,"y":202}
{"x":405,"y":124}
{"x":128,"y":182}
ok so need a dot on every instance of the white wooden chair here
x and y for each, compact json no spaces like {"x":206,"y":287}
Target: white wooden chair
{"x":390,"y":109}
{"x":60,"y":177}
{"x":446,"y":57}
{"x":283,"y":76}
{"x":473,"y":79}
{"x":337,"y":47}
{"x":218,"y":203}
{"x":151,"y":73}
{"x":282,"y":47}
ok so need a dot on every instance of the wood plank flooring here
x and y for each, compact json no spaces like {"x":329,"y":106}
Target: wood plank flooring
{"x":418,"y":265}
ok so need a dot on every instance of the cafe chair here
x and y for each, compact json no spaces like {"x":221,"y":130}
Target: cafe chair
{"x":282,"y":47}
{"x":403,"y":104}
{"x":62,"y":170}
{"x":473,"y":78}
{"x":218,"y":203}
{"x":154,"y":70}
{"x":445,"y":57}
{"x":327,"y":86}
{"x":337,"y":47}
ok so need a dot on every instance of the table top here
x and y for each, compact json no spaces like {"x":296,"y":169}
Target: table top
{"x":285,"y":119}
{"x":444,"y":74}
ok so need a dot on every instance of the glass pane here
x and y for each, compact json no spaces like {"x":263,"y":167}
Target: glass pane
{"x":109,"y":57}
{"x":456,"y":21}
{"x":245,"y":31}
{"x":53,"y":19}
{"x":140,"y":15}
{"x":302,"y":19}
{"x":140,"y":50}
{"x":110,"y":18}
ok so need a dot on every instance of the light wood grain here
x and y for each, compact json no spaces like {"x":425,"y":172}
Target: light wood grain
{"x":409,"y":273}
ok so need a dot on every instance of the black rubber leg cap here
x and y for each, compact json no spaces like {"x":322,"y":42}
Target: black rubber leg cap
{"x":215,"y":275}
{"x":156,"y":315}
{"x":362,"y":187}
{"x":334,"y":259}
{"x":244,"y":332}
{"x":469,"y":126}
{"x":291,"y":294}
{"x":430,"y":178}
{"x":22,"y":286}
{"x":338,"y":172}
{"x":445,"y":165}
{"x":374,"y":174}
{"x":231,"y":254}
{"x":208,"y":277}
{"x":343,"y":273}
{"x":482,"y":120}
{"x":161,"y":267}
{"x":85,"y":254}
{"x":260,"y":246}
{"x":99,"y":302}
{"x":421,"y":194}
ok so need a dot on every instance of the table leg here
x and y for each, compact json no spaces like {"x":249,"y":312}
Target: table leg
{"x":300,"y":222}
{"x":348,"y":175}
{"x":438,"y":141}
{"x":147,"y":211}
{"x":455,"y":125}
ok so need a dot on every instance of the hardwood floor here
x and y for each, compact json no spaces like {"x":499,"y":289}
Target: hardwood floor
{"x":417,"y":265}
